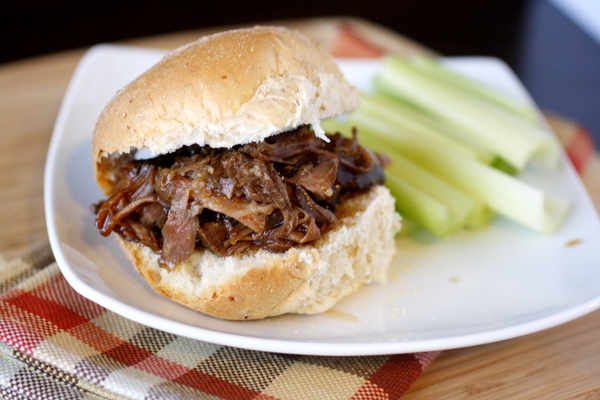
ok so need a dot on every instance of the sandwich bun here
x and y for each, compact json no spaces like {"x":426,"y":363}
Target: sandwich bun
{"x":230,"y":88}
{"x":234,"y":88}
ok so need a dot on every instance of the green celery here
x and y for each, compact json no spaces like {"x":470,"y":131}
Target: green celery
{"x":417,"y":205}
{"x":464,"y":209}
{"x":504,"y":194}
{"x":333,"y":125}
{"x":395,"y":143}
{"x":413,"y":121}
{"x":409,"y":227}
{"x":517,"y":141}
{"x":436,"y":70}
{"x":482,"y":218}
{"x":420,"y":195}
{"x":459,"y":206}
{"x":503,"y":166}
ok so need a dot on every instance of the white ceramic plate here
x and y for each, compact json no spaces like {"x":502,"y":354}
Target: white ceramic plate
{"x":470,"y":289}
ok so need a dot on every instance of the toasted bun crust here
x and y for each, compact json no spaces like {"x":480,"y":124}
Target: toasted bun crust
{"x":307,"y":279}
{"x":230,"y":88}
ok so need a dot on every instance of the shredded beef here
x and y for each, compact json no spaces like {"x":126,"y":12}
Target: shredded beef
{"x":271,"y":195}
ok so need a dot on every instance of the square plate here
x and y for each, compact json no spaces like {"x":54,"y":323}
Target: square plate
{"x":469,"y":289}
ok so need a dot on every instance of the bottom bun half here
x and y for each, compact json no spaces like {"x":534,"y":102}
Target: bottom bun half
{"x":308,"y":279}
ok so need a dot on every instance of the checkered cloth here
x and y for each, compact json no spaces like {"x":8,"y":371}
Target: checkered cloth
{"x":57,"y":344}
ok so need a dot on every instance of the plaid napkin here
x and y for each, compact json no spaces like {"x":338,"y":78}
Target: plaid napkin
{"x":55,"y":344}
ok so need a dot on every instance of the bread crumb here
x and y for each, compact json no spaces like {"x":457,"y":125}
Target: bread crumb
{"x":340,"y":315}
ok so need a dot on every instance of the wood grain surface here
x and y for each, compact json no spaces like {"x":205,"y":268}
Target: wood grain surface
{"x":559,"y":363}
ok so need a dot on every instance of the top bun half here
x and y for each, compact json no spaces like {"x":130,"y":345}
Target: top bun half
{"x":230,"y":88}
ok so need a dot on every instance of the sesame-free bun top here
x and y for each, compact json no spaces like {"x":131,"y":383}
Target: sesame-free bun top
{"x":230,"y":88}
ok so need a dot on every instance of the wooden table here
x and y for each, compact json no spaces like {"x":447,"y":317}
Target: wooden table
{"x":563,"y":362}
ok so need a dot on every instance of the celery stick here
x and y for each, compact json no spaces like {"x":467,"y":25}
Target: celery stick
{"x":415,"y":122}
{"x":515,"y":140}
{"x":413,"y":203}
{"x":333,"y":125}
{"x":502,"y":193}
{"x":459,"y":206}
{"x":382,"y":133}
{"x":437,"y":71}
{"x":481,"y":219}
{"x":420,"y":195}
{"x":409,"y":226}
{"x":503,"y":166}
{"x":390,"y":132}
{"x":383,"y":137}
{"x":462,"y":209}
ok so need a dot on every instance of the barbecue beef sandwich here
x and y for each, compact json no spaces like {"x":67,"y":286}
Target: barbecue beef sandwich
{"x":245,"y":208}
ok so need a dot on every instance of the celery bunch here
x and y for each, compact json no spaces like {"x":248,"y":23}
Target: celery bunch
{"x":456,"y":148}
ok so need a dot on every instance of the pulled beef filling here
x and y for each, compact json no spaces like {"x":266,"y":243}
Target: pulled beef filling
{"x":270,"y":195}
